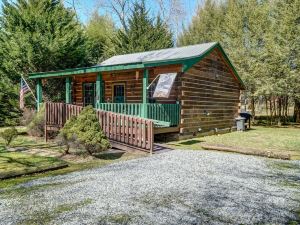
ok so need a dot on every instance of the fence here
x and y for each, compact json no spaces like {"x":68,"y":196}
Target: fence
{"x":123,"y":129}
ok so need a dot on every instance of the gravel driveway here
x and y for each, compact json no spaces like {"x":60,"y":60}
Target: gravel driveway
{"x":177,"y":187}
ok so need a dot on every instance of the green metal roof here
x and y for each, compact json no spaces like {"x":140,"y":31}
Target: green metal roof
{"x":185,"y":56}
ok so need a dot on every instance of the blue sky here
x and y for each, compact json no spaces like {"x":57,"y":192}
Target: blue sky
{"x":86,"y":7}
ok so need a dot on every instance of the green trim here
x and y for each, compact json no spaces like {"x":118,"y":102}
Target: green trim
{"x":145,"y":91}
{"x":187,"y":63}
{"x":39,"y":93}
{"x":83,"y":70}
{"x":231,"y":66}
{"x":99,"y":92}
{"x":68,"y":90}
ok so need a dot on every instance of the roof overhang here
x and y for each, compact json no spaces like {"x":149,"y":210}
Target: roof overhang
{"x":186,"y":63}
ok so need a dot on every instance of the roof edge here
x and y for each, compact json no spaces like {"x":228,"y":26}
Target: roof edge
{"x":189,"y":63}
{"x":83,"y":70}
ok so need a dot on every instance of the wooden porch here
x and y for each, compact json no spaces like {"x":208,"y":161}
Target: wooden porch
{"x":121,"y":123}
{"x":124,"y":132}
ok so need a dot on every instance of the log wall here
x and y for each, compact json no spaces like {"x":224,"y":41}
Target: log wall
{"x":209,"y":96}
{"x":133,"y":84}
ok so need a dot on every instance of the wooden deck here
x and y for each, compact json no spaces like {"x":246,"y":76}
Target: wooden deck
{"x":122,"y":130}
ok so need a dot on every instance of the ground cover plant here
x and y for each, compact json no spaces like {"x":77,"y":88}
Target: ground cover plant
{"x":285,"y":140}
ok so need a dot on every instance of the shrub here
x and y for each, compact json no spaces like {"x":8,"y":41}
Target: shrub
{"x":37,"y":126}
{"x":85,"y":130}
{"x":66,"y":137}
{"x":27,"y":116}
{"x":9,"y":135}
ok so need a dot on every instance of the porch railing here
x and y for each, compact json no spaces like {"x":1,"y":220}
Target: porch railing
{"x":160,"y":112}
{"x":120,"y":128}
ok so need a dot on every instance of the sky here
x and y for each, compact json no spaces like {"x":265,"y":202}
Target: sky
{"x":84,"y":8}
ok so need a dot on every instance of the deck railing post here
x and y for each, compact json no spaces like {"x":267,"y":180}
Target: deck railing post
{"x":98,"y":90}
{"x":39,"y":93}
{"x":145,"y":93}
{"x":68,"y":90}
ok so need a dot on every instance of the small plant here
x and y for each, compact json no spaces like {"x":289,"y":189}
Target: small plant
{"x":37,"y":126}
{"x":85,"y":131}
{"x":27,"y":116}
{"x":66,"y":137}
{"x":9,"y":135}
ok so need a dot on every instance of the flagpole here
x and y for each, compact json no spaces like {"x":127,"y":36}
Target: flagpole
{"x":29,"y":88}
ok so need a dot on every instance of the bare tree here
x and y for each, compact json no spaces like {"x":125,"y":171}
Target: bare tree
{"x":72,"y":4}
{"x":173,"y":12}
{"x":120,"y":8}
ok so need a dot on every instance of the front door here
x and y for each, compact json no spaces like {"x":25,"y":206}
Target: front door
{"x":89,"y":94}
{"x":118,"y":93}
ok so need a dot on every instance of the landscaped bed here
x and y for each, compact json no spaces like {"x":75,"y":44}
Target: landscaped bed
{"x":258,"y":141}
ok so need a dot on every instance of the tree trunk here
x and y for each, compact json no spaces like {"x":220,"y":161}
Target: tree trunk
{"x":253,"y":108}
{"x":297,"y":111}
{"x":271,"y":111}
{"x":279,"y":106}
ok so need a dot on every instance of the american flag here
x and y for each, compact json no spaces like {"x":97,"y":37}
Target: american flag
{"x":23,"y":90}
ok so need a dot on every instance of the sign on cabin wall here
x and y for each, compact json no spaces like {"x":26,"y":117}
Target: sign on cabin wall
{"x":164,"y":85}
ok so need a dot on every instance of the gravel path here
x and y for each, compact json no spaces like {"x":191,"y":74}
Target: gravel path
{"x":177,"y":187}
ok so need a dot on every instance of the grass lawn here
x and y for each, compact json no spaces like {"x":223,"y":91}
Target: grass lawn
{"x":277,"y":140}
{"x":17,"y":163}
{"x":23,"y":162}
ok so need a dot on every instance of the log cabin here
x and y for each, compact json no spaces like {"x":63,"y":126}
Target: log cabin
{"x":204,"y":95}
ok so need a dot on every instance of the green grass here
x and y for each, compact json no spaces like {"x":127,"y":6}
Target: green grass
{"x":71,"y":168}
{"x":17,"y":163}
{"x":277,"y":140}
{"x":21,"y":161}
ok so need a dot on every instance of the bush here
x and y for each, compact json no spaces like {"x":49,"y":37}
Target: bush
{"x":9,"y":135}
{"x":85,"y":131}
{"x":27,"y":116}
{"x":66,"y":136}
{"x":37,"y":126}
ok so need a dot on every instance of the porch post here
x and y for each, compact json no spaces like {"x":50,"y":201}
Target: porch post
{"x":99,"y":90}
{"x":38,"y":93}
{"x":145,"y":93}
{"x":68,"y":90}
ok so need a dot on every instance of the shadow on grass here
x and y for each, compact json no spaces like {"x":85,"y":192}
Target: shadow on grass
{"x":109,"y":156}
{"x":190,"y":142}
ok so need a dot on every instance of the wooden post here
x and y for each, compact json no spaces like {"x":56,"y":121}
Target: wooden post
{"x":39,"y":93}
{"x":45,"y":125}
{"x":68,"y":90}
{"x":99,"y":90}
{"x":145,"y":93}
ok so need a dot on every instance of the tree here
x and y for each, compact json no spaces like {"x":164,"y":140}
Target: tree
{"x":120,"y":8}
{"x":206,"y":25}
{"x":248,"y":30}
{"x":9,"y":112}
{"x":100,"y":30}
{"x":40,"y":35}
{"x":143,"y":32}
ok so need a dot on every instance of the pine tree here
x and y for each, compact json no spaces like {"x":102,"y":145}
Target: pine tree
{"x":40,"y":35}
{"x":143,"y":33}
{"x":9,"y":112}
